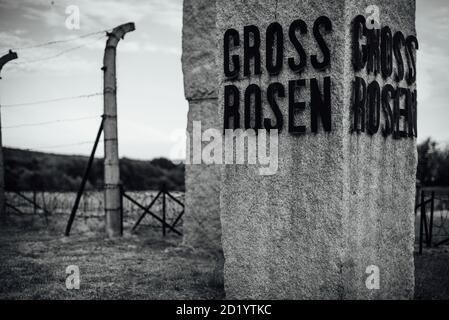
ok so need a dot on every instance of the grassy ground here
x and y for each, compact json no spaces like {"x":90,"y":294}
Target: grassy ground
{"x":33,"y":263}
{"x":432,"y":274}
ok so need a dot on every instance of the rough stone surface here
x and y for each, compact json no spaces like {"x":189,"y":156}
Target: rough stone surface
{"x":202,"y":226}
{"x":201,"y":220}
{"x":199,"y":49}
{"x":379,"y":189}
{"x":339,"y":201}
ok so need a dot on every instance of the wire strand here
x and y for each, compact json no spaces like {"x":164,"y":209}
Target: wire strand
{"x":49,"y":43}
{"x":57,"y":55}
{"x":56,"y":146}
{"x":35,"y":124}
{"x":52,"y":100}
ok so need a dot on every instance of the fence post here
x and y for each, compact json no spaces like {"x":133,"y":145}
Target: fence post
{"x":111,"y":157}
{"x":34,"y":203}
{"x":163,"y":213}
{"x":421,"y":221}
{"x":84,"y":180}
{"x":3,"y":60}
{"x":121,"y":209}
{"x":429,"y":241}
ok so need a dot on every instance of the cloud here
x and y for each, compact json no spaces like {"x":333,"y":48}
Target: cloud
{"x":60,"y":59}
{"x":432,"y":71}
{"x":432,"y":26}
{"x":132,"y":130}
{"x":94,"y":16}
{"x":134,"y":46}
{"x":162,"y":49}
{"x":13,"y":40}
{"x":62,"y":66}
{"x":101,"y":13}
{"x":433,"y":88}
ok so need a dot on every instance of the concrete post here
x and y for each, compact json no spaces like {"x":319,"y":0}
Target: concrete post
{"x":3,"y":60}
{"x":111,"y":156}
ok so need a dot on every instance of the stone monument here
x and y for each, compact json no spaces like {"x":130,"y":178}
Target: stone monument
{"x":336,"y":80}
{"x":201,"y":226}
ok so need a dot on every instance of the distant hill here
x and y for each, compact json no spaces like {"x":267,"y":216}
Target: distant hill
{"x":31,"y":170}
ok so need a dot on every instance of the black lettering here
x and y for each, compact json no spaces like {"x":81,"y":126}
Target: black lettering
{"x":358,"y":105}
{"x":359,"y":52}
{"x":373,"y":104}
{"x":231,"y":34}
{"x":411,"y":45}
{"x":386,"y":48}
{"x":400,"y":132}
{"x":253,"y":90}
{"x":327,"y":24}
{"x":412,"y":110}
{"x":373,"y":61}
{"x":398,"y":43}
{"x":321,"y":104}
{"x":388,"y":94}
{"x":274,"y":89}
{"x":275,"y":38}
{"x":293,"y":106}
{"x":251,"y":51}
{"x":302,"y":27}
{"x":231,"y":106}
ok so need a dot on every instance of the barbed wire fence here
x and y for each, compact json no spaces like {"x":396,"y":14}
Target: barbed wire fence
{"x":87,"y":39}
{"x":432,"y":217}
{"x":44,"y":202}
{"x":33,"y":202}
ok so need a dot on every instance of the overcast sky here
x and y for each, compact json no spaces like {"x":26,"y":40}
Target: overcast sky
{"x":152,"y":108}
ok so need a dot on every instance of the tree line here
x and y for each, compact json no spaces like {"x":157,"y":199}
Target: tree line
{"x":30,"y":170}
{"x":433,"y":164}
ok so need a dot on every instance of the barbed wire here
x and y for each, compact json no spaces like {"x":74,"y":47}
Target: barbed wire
{"x":58,"y":54}
{"x":44,"y":123}
{"x":89,"y":95}
{"x":53,"y":42}
{"x":84,"y":43}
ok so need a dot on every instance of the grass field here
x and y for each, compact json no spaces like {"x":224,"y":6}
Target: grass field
{"x":33,"y":263}
{"x":432,"y":274}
